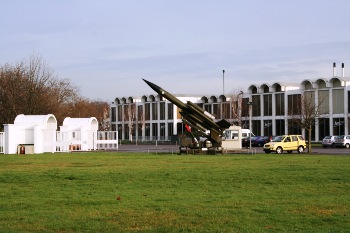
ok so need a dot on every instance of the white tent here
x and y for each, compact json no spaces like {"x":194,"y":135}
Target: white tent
{"x":37,"y":133}
{"x":80,"y":133}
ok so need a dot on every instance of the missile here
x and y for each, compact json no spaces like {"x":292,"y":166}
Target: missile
{"x":193,"y":114}
{"x":166,"y":95}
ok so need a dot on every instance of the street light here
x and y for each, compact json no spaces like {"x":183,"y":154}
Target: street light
{"x":250,"y":104}
{"x":223,"y":82}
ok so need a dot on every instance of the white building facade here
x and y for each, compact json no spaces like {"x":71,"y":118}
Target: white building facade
{"x":151,"y":118}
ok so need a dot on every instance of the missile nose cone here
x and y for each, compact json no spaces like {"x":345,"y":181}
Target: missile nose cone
{"x":153,"y":86}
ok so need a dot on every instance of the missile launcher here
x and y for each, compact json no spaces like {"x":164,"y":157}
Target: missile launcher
{"x":200,"y":120}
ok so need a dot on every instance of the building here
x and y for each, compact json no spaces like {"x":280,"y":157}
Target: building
{"x":151,"y":118}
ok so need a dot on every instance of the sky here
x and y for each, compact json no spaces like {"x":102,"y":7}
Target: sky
{"x":107,"y":47}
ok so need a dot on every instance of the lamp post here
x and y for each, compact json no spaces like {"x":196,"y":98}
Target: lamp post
{"x":223,"y":82}
{"x":239,"y":102}
{"x":250,"y":104}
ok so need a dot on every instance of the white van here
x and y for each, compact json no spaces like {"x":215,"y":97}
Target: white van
{"x":246,"y":133}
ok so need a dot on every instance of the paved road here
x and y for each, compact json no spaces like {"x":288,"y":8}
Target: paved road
{"x":321,"y":150}
{"x":175,"y":149}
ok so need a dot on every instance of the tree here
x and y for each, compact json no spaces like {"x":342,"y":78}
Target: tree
{"x":235,"y":100}
{"x":129,"y":117}
{"x":141,"y":120}
{"x":81,"y":107}
{"x":31,"y":87}
{"x":304,"y":113}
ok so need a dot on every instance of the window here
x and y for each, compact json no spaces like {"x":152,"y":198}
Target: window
{"x":154,"y":111}
{"x":294,"y":103}
{"x":216,"y":110}
{"x":154,"y":129}
{"x":113,"y":114}
{"x":256,"y":105}
{"x":293,"y":128}
{"x":308,"y":86}
{"x":162,"y":130}
{"x":266,"y":89}
{"x":323,"y":101}
{"x":323,"y":127}
{"x":140,"y":113}
{"x":231,"y":134}
{"x":279,"y":104}
{"x":170,"y":111}
{"x":162,"y":110}
{"x":147,"y":130}
{"x":207,"y":107}
{"x":256,"y":127}
{"x":268,"y":105}
{"x":254,"y":90}
{"x":120,"y":113}
{"x":280,"y":127}
{"x":338,"y":101}
{"x":147,"y":111}
{"x":170,"y":129}
{"x":338,"y":126}
{"x":267,"y":127}
{"x":120,"y":131}
{"x":278,"y":88}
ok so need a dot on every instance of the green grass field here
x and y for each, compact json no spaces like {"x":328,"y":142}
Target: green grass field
{"x":79,"y":192}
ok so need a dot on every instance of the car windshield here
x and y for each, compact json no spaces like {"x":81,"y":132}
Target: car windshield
{"x":278,"y":139}
{"x":328,"y":137}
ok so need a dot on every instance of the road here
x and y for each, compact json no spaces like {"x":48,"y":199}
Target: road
{"x":175,"y":149}
{"x":319,"y":150}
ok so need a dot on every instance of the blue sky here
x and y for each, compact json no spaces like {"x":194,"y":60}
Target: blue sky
{"x":106,"y":47}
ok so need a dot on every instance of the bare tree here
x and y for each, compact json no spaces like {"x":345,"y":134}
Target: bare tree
{"x":26,"y":88}
{"x":31,"y":87}
{"x":129,"y":117}
{"x":12,"y":92}
{"x":141,"y":119}
{"x":305,"y":112}
{"x":81,"y":107}
{"x":235,"y":113}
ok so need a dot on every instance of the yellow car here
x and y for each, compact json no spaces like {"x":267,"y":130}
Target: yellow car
{"x":285,"y":143}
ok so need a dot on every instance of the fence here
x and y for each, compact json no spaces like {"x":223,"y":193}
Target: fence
{"x":68,"y":141}
{"x":107,"y":140}
{"x":151,"y":138}
{"x":75,"y":141}
{"x":2,"y":142}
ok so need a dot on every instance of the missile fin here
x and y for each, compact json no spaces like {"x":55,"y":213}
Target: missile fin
{"x":223,"y":124}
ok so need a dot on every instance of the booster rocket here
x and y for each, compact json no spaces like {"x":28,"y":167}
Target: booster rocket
{"x":196,"y":117}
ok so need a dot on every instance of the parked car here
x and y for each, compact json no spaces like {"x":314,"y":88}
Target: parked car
{"x":342,"y":141}
{"x":255,"y":141}
{"x":286,"y":143}
{"x":328,"y":141}
{"x":260,"y":141}
{"x":245,"y":142}
{"x":246,"y":133}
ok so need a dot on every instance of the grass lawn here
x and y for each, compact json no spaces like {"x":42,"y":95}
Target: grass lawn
{"x":79,"y":192}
